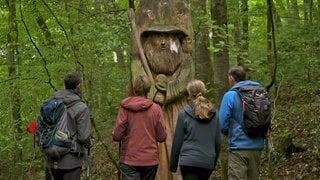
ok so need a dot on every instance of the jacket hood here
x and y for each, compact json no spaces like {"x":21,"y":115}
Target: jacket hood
{"x":136,"y":103}
{"x":68,"y":96}
{"x":189,"y":111}
{"x":245,"y":83}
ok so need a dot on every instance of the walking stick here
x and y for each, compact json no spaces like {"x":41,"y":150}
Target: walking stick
{"x":137,"y":40}
{"x":119,"y":172}
{"x":89,"y":165}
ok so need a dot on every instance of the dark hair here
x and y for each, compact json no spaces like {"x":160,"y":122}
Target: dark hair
{"x":141,"y":85}
{"x":72,"y":80}
{"x":238,"y":73}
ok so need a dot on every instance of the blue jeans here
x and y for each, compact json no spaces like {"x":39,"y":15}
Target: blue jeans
{"x":138,"y":172}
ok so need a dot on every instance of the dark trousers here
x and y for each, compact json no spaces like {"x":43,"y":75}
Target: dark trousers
{"x":63,"y":174}
{"x":195,"y":173}
{"x":138,"y":172}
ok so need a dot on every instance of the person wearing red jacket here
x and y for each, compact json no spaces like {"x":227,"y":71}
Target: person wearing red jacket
{"x":139,"y":127}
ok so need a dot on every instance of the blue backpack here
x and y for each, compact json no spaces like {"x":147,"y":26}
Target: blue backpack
{"x":53,"y":137}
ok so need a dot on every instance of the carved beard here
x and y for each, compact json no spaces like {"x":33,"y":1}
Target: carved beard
{"x":163,"y":58}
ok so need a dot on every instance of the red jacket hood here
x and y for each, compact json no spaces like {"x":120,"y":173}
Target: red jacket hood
{"x":136,"y":103}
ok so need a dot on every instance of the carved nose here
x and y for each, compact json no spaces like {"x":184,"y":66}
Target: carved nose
{"x":163,"y":45}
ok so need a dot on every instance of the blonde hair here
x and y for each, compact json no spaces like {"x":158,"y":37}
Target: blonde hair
{"x":202,"y":106}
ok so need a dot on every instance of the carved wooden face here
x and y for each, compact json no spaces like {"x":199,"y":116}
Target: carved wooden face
{"x":163,"y":52}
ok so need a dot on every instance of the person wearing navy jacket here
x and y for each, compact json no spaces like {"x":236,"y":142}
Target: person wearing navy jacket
{"x":197,"y":140}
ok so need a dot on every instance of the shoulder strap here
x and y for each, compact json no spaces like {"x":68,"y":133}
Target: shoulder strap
{"x":241,"y":97}
{"x":238,"y":92}
{"x":73,"y":103}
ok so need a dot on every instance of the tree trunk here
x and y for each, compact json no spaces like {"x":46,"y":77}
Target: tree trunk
{"x":201,"y":43}
{"x":269,"y":39}
{"x":221,"y":65}
{"x":43,"y":26}
{"x":15,"y":102}
{"x":245,"y":32}
{"x":318,"y":22}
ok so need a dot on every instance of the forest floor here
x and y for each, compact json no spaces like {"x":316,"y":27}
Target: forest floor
{"x":297,"y":165}
{"x":295,"y":142}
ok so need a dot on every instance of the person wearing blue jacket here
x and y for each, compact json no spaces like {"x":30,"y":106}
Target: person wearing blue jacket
{"x":243,"y":151}
{"x":197,"y":139}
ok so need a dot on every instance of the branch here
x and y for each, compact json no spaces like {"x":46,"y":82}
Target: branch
{"x":273,"y":80}
{"x":37,"y":49}
{"x":65,"y":34}
{"x":138,"y":42}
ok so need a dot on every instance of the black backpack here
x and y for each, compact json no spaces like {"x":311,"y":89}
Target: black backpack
{"x":256,"y":110}
{"x":52,"y":130}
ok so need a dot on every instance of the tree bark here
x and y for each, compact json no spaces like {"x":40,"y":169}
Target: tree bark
{"x":42,"y":24}
{"x":201,"y":43}
{"x":12,"y":63}
{"x":245,"y":32}
{"x":221,"y":64}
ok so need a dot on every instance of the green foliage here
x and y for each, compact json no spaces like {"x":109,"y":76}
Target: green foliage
{"x":85,"y":35}
{"x":85,"y":39}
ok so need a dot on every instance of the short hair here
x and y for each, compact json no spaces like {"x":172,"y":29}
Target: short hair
{"x":72,"y":80}
{"x":238,"y":73}
{"x":141,"y":85}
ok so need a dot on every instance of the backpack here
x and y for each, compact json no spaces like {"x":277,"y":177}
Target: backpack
{"x":256,"y":110}
{"x":53,"y":137}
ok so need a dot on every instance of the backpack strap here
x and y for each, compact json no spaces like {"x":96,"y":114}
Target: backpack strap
{"x":242,"y":102}
{"x":73,"y":103}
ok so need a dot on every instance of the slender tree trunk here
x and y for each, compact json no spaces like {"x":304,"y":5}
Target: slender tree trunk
{"x":237,"y":32}
{"x":306,"y":4}
{"x":42,"y":24}
{"x":318,"y":22}
{"x":201,"y":43}
{"x":269,"y":39}
{"x":15,"y":102}
{"x":245,"y":32}
{"x":221,"y":64}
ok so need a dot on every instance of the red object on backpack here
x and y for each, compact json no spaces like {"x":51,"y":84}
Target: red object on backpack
{"x":32,"y":128}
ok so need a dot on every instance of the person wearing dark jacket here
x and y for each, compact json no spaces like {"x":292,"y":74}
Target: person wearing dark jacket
{"x":243,"y":151}
{"x":68,"y":167}
{"x":197,"y":140}
{"x":139,"y":127}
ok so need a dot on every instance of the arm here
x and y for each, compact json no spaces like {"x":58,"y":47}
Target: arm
{"x":218,"y":142}
{"x":225,"y":112}
{"x":177,"y":87}
{"x":84,"y":127}
{"x":177,"y":143}
{"x":161,"y":134}
{"x":120,"y":126}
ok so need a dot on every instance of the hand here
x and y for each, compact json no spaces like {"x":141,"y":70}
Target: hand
{"x":161,"y":82}
{"x":159,"y":98}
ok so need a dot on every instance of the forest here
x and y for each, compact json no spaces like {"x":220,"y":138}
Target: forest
{"x":277,"y":41}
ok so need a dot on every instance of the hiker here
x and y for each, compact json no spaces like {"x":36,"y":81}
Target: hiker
{"x":138,"y":128}
{"x":68,"y":167}
{"x":197,"y":140}
{"x":243,"y":151}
